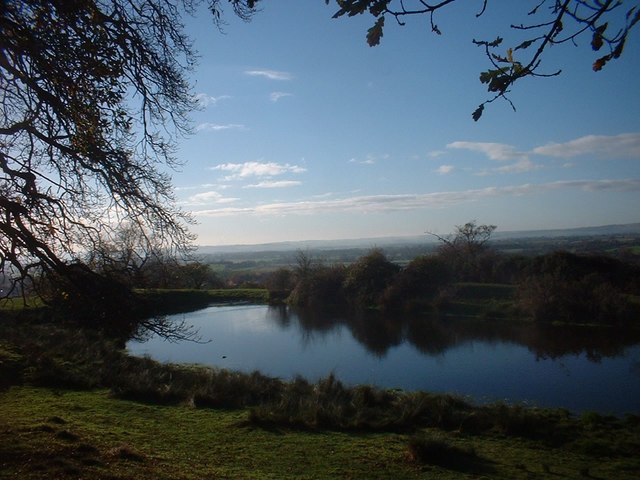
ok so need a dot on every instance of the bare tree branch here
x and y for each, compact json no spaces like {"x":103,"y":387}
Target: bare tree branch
{"x":93,"y":97}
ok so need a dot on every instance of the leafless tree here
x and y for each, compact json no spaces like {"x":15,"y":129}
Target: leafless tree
{"x":465,"y":248}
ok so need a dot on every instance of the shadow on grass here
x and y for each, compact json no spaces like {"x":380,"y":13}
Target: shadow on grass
{"x":48,"y":454}
{"x":426,"y":450}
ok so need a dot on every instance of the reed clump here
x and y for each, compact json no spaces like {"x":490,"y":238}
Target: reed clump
{"x":150,"y":381}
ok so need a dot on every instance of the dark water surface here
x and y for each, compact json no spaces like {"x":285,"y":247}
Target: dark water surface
{"x":578,"y":368}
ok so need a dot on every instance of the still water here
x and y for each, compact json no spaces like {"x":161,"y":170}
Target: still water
{"x":581,"y":369}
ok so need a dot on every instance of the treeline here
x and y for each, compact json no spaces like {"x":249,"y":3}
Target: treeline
{"x":558,"y":286}
{"x":160,"y":271}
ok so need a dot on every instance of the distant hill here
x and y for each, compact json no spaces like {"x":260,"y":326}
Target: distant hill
{"x":626,"y":229}
{"x":360,"y":243}
{"x":357,"y":243}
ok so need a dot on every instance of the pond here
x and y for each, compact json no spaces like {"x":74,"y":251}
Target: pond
{"x":578,"y":368}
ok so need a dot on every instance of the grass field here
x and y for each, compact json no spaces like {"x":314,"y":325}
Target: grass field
{"x":48,"y":433}
{"x":167,"y":301}
{"x":482,"y":300}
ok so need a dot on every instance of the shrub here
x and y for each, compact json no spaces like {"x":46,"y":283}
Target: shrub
{"x":280,"y":284}
{"x":590,"y":298}
{"x":320,"y":287}
{"x":419,"y":283}
{"x":368,"y":278}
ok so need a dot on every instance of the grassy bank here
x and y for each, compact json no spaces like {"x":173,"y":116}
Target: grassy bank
{"x":168,"y":301}
{"x":65,"y":434}
{"x":75,"y":406}
{"x":481,"y":300}
{"x":155,"y":301}
{"x":52,"y":433}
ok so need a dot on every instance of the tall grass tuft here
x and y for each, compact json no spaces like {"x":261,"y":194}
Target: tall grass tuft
{"x":147,"y":380}
{"x":330,"y":404}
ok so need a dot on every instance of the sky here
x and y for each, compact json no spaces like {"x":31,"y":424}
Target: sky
{"x":304,"y":132}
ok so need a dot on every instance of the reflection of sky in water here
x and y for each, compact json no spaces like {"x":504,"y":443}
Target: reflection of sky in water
{"x":251,"y":338}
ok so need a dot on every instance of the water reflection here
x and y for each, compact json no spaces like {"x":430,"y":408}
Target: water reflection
{"x":580,"y":368}
{"x":379,"y":333}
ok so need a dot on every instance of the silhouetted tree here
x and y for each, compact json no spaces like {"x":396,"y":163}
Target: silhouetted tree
{"x":280,"y":283}
{"x":124,"y":255}
{"x":303,"y":272}
{"x":466,"y":249}
{"x":93,"y":96}
{"x":417,"y":285}
{"x":369,"y":277}
{"x":198,"y":275}
{"x":320,"y":288}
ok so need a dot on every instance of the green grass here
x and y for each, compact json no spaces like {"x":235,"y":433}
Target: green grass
{"x":151,"y":301}
{"x":49,"y":433}
{"x":19,"y":304}
{"x":170,"y":301}
{"x":482,"y":301}
{"x":256,"y":295}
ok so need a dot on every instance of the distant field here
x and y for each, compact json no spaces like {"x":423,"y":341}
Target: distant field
{"x":259,"y":262}
{"x":18,"y":303}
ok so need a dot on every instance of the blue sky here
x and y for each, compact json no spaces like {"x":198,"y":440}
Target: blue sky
{"x":307,"y":133}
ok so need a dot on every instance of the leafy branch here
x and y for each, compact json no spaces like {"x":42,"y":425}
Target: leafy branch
{"x":563,"y":21}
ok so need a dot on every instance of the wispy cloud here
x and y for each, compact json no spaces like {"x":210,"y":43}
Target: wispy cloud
{"x":445,"y":169}
{"x":370,"y":159}
{"x":436,"y":153}
{"x":270,"y":74}
{"x":324,"y":195}
{"x":393,"y":203}
{"x":258,"y":169}
{"x":494,"y":151}
{"x":366,"y":161}
{"x":194,"y":187}
{"x":203,"y":100}
{"x":626,"y":145}
{"x":501,"y":152}
{"x":217,"y":127}
{"x":209,"y":198}
{"x":275,"y":96}
{"x":522,"y":165}
{"x":275,"y":184}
